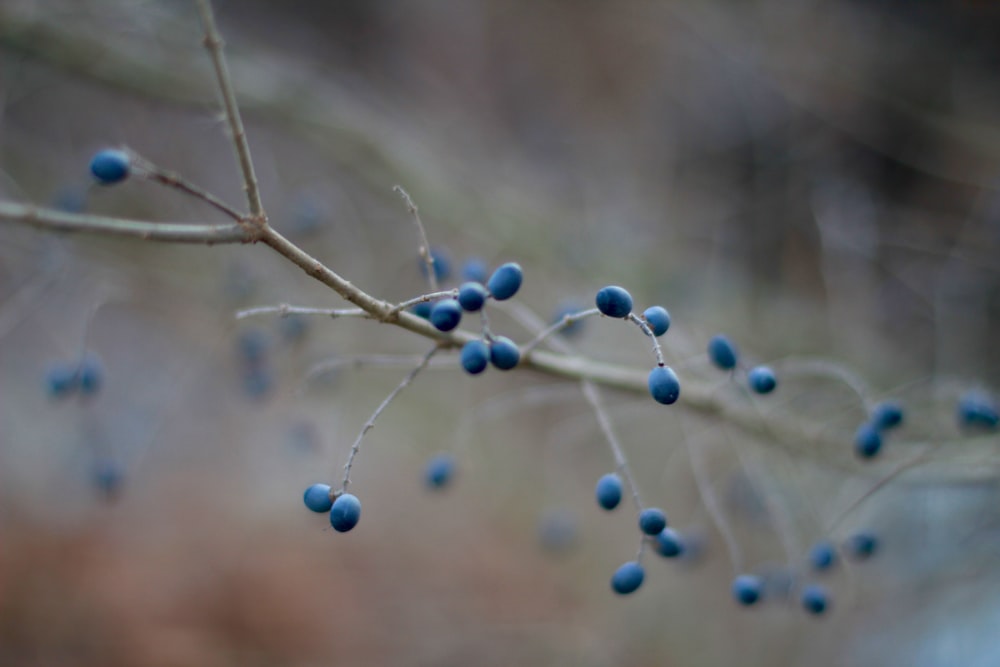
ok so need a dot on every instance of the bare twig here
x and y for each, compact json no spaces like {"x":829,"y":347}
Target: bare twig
{"x":641,"y":323}
{"x":173,"y":180}
{"x":563,"y":322}
{"x":284,"y":309}
{"x":425,"y":248}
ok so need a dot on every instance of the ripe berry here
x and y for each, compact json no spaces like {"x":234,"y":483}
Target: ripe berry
{"x":345,"y":513}
{"x":664,"y":386}
{"x":475,"y":356}
{"x":445,"y":315}
{"x":504,"y":353}
{"x":422,"y":309}
{"x":815,"y":599}
{"x":90,"y":375}
{"x":505,"y":281}
{"x":822,"y":556}
{"x":652,"y":521}
{"x":110,"y":166}
{"x":317,"y":498}
{"x":722,"y":352}
{"x":886,"y":415}
{"x":861,"y":546}
{"x":474,"y":269}
{"x":747,"y":589}
{"x":472,"y":296}
{"x":658,"y":319}
{"x":761,"y":379}
{"x":61,"y":379}
{"x":977,"y":410}
{"x":609,"y":491}
{"x":867,"y":441}
{"x":439,"y":471}
{"x":614,"y":301}
{"x":669,"y":543}
{"x":628,"y":578}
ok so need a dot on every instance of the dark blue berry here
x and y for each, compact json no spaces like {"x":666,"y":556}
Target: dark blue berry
{"x":61,"y":379}
{"x":761,"y":380}
{"x":886,"y":415}
{"x":472,"y":296}
{"x":867,"y":441}
{"x":90,"y":375}
{"x":345,"y":513}
{"x":446,"y":314}
{"x":422,"y":309}
{"x":614,"y":301}
{"x":110,"y":166}
{"x":504,"y":353}
{"x":475,"y":270}
{"x":475,"y":356}
{"x":975,"y":409}
{"x":669,"y":543}
{"x":442,"y":264}
{"x":628,"y":578}
{"x":815,"y":599}
{"x":722,"y":352}
{"x":317,"y":498}
{"x":439,"y":471}
{"x":861,"y":546}
{"x":652,"y":521}
{"x":505,"y":281}
{"x":664,"y":386}
{"x":609,"y":491}
{"x":747,"y":589}
{"x":822,"y":556}
{"x":658,"y":319}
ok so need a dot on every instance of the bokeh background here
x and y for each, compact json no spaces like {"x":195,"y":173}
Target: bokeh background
{"x":817,"y":179}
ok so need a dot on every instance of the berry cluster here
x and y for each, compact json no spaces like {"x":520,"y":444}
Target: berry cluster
{"x":85,"y":377}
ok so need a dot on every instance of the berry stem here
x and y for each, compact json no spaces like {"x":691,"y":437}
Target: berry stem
{"x":657,"y":350}
{"x":558,"y":326}
{"x":152,"y":172}
{"x":425,"y":248}
{"x":423,"y":298}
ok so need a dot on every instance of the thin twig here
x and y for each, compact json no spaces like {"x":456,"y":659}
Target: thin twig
{"x":356,"y":447}
{"x":563,"y":322}
{"x":372,"y":360}
{"x":284,"y":309}
{"x":152,"y":172}
{"x":641,"y":323}
{"x":423,"y":298}
{"x":621,"y":463}
{"x":425,"y":248}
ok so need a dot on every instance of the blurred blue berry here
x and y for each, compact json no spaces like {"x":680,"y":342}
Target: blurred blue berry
{"x":822,"y":556}
{"x":747,"y":589}
{"x":345,"y":513}
{"x":761,"y":379}
{"x":867,"y":441}
{"x":317,"y":498}
{"x":110,"y":166}
{"x":609,"y":491}
{"x":258,"y":381}
{"x":252,"y":345}
{"x":505,"y":281}
{"x":442,"y":264}
{"x":614,"y":301}
{"x":558,"y":530}
{"x":975,"y":409}
{"x":862,"y":545}
{"x":61,"y":379}
{"x":90,"y":375}
{"x":70,"y":200}
{"x":422,"y":309}
{"x":652,"y":521}
{"x":886,"y":415}
{"x":664,"y":386}
{"x":504,"y":353}
{"x":446,"y":314}
{"x":669,"y":543}
{"x":658,"y":319}
{"x":722,"y":352}
{"x":472,"y":296}
{"x":439,"y":471}
{"x":628,"y":578}
{"x":475,"y":356}
{"x":475,"y":270}
{"x":108,"y":478}
{"x":815,"y":599}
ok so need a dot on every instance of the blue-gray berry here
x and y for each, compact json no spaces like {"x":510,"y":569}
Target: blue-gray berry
{"x":628,"y":578}
{"x":614,"y":301}
{"x":345,"y":513}
{"x":658,"y":319}
{"x":664,"y":386}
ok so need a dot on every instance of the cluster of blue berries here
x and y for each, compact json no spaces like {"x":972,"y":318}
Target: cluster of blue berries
{"x":869,"y":437}
{"x":724,"y":354}
{"x":84,"y":377}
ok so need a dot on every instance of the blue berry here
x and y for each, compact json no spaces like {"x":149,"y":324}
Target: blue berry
{"x":747,"y":589}
{"x":723,"y":352}
{"x":504,"y":353}
{"x":822,"y":556}
{"x":669,"y":543}
{"x":422,"y":309}
{"x":258,"y":381}
{"x":442,"y":264}
{"x":658,"y":319}
{"x":317,"y":498}
{"x":664,"y":386}
{"x":293,"y":327}
{"x":475,"y":357}
{"x":253,"y":345}
{"x":90,"y":375}
{"x":652,"y":521}
{"x":886,"y":415}
{"x":977,"y":410}
{"x":815,"y":599}
{"x":568,"y":308}
{"x":61,"y":380}
{"x":761,"y":379}
{"x":108,"y":477}
{"x":110,"y":166}
{"x":861,"y":546}
{"x":628,"y":578}
{"x":439,"y":471}
{"x":505,"y":281}
{"x":614,"y":301}
{"x":446,"y":314}
{"x":345,"y":513}
{"x":867,"y":441}
{"x":609,"y":491}
{"x":472,"y":296}
{"x":475,"y":270}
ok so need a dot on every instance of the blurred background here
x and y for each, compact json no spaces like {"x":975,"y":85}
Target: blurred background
{"x":816,"y":179}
